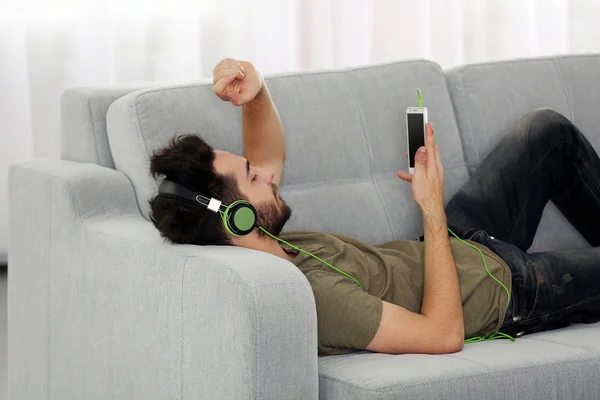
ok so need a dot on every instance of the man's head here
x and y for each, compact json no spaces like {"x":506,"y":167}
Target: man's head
{"x":191,"y":162}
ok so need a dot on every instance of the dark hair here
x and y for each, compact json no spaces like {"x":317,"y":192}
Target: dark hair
{"x":188,"y":160}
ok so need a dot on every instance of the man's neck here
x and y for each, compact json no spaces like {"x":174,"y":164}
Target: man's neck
{"x":274,"y":248}
{"x":267,"y":245}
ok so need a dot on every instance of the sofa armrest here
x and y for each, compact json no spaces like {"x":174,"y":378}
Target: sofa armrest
{"x":101,"y":307}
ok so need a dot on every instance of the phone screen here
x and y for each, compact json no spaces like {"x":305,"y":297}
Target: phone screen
{"x":416,"y":135}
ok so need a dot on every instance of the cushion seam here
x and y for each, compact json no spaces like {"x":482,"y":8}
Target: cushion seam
{"x":468,"y":120}
{"x":138,"y":131}
{"x":564,"y":88}
{"x":87,"y":102}
{"x":371,"y":167}
{"x":454,"y":116}
{"x":591,"y":350}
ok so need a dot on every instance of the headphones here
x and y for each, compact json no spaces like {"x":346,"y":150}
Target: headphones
{"x":239,"y":218}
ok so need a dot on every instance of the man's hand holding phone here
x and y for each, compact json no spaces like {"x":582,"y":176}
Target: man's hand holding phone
{"x":442,"y":303}
{"x":428,"y":177}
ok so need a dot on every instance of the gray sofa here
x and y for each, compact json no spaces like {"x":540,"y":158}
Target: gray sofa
{"x":100,"y":307}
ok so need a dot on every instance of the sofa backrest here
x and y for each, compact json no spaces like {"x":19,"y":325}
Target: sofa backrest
{"x":345,"y":136}
{"x":489,"y":99}
{"x":83,"y":122}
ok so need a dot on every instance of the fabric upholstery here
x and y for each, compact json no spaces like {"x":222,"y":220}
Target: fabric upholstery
{"x":83,"y":122}
{"x":103,"y":308}
{"x":554,"y":365}
{"x":569,"y":85}
{"x":345,"y":139}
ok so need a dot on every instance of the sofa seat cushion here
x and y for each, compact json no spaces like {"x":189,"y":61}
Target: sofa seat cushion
{"x":559,"y":364}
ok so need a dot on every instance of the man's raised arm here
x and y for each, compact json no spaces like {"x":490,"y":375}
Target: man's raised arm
{"x":243,"y":85}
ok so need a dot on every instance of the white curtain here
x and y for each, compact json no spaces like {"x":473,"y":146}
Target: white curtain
{"x":47,"y":46}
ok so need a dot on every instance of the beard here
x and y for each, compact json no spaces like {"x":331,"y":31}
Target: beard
{"x":272,"y":216}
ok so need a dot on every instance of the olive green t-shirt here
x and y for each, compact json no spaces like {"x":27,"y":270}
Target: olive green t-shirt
{"x":348,"y":317}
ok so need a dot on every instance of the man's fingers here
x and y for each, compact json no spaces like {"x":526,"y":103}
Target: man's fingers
{"x":236,"y":99}
{"x":224,"y":64}
{"x":228,"y":72}
{"x":240,"y":65}
{"x":404,"y":176}
{"x":438,"y":158}
{"x":221,"y":85}
{"x":430,"y":144}
{"x":421,"y":156}
{"x":429,"y":140}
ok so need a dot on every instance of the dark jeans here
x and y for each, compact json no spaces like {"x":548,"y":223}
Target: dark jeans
{"x":544,"y":158}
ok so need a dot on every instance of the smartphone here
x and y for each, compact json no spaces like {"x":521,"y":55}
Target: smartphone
{"x":416,"y":119}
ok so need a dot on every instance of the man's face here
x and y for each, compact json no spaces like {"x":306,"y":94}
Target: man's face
{"x":257,"y":185}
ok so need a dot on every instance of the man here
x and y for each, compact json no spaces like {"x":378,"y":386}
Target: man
{"x":415,"y":296}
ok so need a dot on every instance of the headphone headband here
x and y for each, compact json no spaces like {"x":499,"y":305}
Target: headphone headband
{"x":177,"y":191}
{"x":239,"y":218}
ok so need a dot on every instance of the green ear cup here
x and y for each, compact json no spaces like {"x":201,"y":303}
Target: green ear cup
{"x":244,"y":219}
{"x":239,"y":218}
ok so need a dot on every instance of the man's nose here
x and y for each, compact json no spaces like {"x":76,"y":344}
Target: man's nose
{"x":268,"y":174}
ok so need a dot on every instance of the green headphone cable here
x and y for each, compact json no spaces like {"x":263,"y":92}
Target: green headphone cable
{"x":312,"y":255}
{"x":496,"y":334}
{"x":492,"y":336}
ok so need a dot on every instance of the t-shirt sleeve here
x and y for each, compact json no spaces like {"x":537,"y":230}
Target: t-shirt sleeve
{"x":347,"y":316}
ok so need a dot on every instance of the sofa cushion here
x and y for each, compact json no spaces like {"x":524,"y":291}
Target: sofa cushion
{"x":559,"y":364}
{"x":345,"y":137}
{"x":83,"y":122}
{"x":489,"y":98}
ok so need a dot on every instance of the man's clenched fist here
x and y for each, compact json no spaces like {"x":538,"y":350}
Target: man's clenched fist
{"x":236,"y":81}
